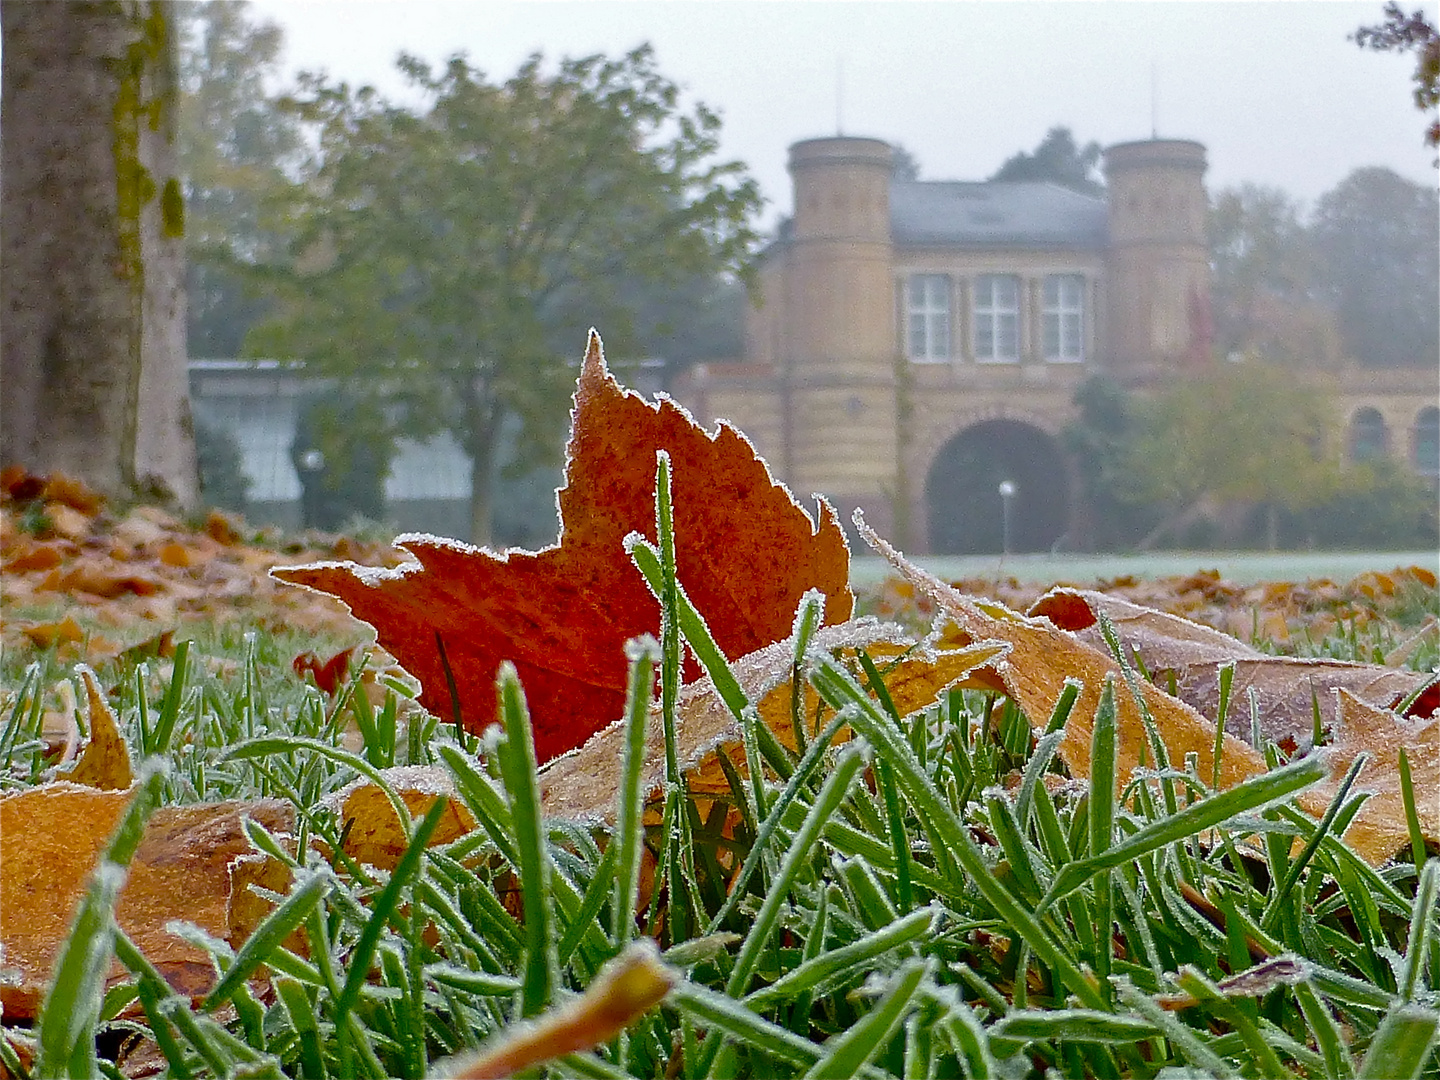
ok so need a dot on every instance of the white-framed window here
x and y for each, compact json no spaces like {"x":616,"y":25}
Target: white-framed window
{"x":927,"y":318}
{"x":997,"y":318}
{"x":1063,"y":311}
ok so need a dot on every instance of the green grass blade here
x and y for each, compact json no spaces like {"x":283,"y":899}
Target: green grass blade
{"x":1080,"y":1025}
{"x":1297,"y":866}
{"x":153,"y":991}
{"x":1412,"y":816}
{"x":723,"y":1015}
{"x":517,"y":766}
{"x":834,"y":792}
{"x":1193,"y":1046}
{"x":583,"y":919}
{"x":1227,"y":681}
{"x":383,"y":907}
{"x":844,"y":1054}
{"x":629,"y":840}
{"x":1256,"y":792}
{"x":484,"y":801}
{"x":1064,"y":704}
{"x":835,"y":685}
{"x":1422,"y":929}
{"x":1402,"y":1044}
{"x":301,"y":1011}
{"x":1323,"y":1028}
{"x":809,"y":765}
{"x":831,"y":968}
{"x":648,"y":559}
{"x":268,"y":936}
{"x":1102,"y":819}
{"x":1034,"y":769}
{"x":264,"y":745}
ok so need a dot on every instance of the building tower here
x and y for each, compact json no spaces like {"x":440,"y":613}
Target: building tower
{"x":1158,"y":287}
{"x":838,"y":346}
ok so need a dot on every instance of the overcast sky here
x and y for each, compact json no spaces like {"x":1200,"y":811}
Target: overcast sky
{"x":1275,"y":90}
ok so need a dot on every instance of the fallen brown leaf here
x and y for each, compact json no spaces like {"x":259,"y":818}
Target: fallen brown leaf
{"x":582,"y":784}
{"x":105,"y":761}
{"x":51,"y":837}
{"x":1288,"y":689}
{"x":1043,"y":655}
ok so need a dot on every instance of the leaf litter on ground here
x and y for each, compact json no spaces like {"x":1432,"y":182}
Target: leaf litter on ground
{"x":980,"y":652}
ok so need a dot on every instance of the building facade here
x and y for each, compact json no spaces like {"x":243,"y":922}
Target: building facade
{"x":918,"y":344}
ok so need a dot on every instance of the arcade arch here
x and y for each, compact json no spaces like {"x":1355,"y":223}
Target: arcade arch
{"x":963,"y":503}
{"x":1369,"y":438}
{"x":1425,"y":442}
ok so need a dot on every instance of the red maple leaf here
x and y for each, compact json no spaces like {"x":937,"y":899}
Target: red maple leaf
{"x":745,"y":554}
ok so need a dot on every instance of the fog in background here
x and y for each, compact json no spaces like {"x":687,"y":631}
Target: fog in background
{"x":1275,"y":90}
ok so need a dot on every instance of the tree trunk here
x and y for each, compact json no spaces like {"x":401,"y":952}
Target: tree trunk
{"x":91,"y":247}
{"x":481,"y":485}
{"x":481,"y":434}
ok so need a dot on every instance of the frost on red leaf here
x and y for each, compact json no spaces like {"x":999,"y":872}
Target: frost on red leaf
{"x":745,"y":551}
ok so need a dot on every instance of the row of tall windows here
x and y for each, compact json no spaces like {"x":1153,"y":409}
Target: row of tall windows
{"x":995,"y":314}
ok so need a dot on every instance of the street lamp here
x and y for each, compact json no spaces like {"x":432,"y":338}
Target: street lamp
{"x":1007,"y":498}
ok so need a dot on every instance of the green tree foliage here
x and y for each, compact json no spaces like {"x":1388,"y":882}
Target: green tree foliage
{"x":450,"y":256}
{"x":1060,"y":159}
{"x":235,"y":148}
{"x":903,"y":164}
{"x":1263,"y":280}
{"x":1378,"y":266}
{"x":1411,"y":33}
{"x":1383,"y":506}
{"x":1099,"y":441}
{"x":342,"y":452}
{"x":1238,"y":434}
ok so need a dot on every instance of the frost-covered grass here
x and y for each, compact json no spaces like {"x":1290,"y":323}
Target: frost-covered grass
{"x":933,"y":898}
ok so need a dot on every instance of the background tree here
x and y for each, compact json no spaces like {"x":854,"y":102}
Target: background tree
{"x":1059,"y":159}
{"x":1241,"y":434}
{"x":1263,"y":274}
{"x":449,"y":257}
{"x":1099,"y":440}
{"x":1411,"y":33}
{"x":903,"y":164}
{"x":235,"y":147}
{"x":1378,"y":266}
{"x":91,"y":247}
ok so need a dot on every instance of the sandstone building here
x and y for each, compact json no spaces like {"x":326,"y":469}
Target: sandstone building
{"x":919,"y":343}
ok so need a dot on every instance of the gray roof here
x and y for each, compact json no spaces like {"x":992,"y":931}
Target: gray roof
{"x":928,"y":213}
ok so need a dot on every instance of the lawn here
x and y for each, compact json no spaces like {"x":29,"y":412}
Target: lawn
{"x":920,"y":892}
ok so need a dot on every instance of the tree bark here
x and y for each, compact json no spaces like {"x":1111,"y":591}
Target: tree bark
{"x":92,"y":360}
{"x":482,"y":432}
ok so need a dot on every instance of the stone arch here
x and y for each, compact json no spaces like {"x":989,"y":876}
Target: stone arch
{"x":963,"y":505}
{"x":1425,"y":441}
{"x":1369,"y":437}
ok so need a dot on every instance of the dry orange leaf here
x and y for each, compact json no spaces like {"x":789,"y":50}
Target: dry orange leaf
{"x":1043,"y":655}
{"x":36,"y":557}
{"x":73,"y":493}
{"x":582,"y":785}
{"x":45,"y":635}
{"x":746,"y":554}
{"x":375,"y":835}
{"x":625,"y":989}
{"x":105,"y":761}
{"x":1379,"y":830}
{"x":51,"y":837}
{"x":1287,"y":688}
{"x":328,"y":674}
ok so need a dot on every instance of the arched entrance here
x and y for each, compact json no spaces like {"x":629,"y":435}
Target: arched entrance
{"x":964,"y":504}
